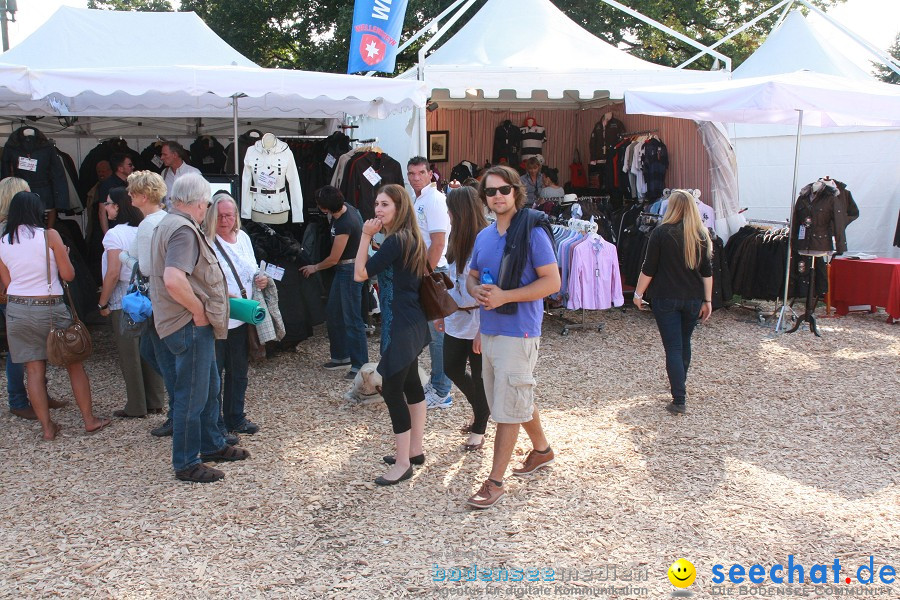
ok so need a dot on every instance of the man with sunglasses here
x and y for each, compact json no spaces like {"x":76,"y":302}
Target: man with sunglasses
{"x":518,"y":251}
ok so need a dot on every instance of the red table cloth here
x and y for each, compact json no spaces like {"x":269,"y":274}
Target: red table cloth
{"x":866,"y":282}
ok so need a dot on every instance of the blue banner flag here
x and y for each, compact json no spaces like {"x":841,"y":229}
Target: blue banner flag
{"x":375,"y":37}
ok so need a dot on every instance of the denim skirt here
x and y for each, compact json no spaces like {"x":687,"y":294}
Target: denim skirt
{"x":28,"y":326}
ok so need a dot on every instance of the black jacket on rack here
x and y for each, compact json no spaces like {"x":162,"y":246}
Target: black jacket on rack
{"x":654,"y":165}
{"x":356,"y":187}
{"x":208,"y":155}
{"x":245,"y":140}
{"x":151,"y":156}
{"x":507,"y":144}
{"x":87,"y":173}
{"x":34,"y":158}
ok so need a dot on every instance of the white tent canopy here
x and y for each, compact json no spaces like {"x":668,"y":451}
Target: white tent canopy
{"x":528,"y":45}
{"x":107,"y":63}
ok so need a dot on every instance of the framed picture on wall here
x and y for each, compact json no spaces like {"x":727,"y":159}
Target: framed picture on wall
{"x":438,"y":146}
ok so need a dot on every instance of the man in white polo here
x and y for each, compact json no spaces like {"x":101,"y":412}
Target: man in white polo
{"x":172,"y":155}
{"x":434,"y":222}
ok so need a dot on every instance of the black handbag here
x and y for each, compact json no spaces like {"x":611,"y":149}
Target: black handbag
{"x":434,"y":297}
{"x":72,"y":344}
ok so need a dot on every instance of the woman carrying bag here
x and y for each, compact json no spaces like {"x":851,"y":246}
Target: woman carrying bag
{"x":35,"y":303}
{"x":401,"y":256}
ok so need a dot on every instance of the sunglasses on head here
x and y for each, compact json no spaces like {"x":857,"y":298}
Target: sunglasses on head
{"x":492,"y":191}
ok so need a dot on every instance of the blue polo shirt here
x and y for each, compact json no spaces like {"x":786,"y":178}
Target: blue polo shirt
{"x":487,"y":254}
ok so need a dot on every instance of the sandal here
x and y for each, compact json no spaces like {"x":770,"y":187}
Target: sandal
{"x":228,"y":453}
{"x":200,"y":473}
{"x":103,"y":424}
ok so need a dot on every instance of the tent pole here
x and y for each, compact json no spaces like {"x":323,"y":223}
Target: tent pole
{"x":234,"y":106}
{"x":780,"y":325}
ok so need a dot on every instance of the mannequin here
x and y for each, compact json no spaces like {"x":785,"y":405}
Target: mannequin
{"x":533,"y":138}
{"x":606,"y":134}
{"x":270,"y":174}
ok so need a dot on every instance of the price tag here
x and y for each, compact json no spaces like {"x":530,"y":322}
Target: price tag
{"x":273,"y":271}
{"x":157,"y":161}
{"x":373,"y":177}
{"x":30,"y":164}
{"x":266,"y":181}
{"x":330,"y":160}
{"x":208,"y":160}
{"x":801,"y":234}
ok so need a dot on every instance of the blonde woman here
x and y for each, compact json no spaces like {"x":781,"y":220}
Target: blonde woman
{"x":401,"y":258}
{"x":677,"y":274}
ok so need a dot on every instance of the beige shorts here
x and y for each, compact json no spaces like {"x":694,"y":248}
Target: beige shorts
{"x":507,"y":368}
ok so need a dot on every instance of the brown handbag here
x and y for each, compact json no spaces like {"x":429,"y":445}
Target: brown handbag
{"x":72,"y":344}
{"x":434,"y":297}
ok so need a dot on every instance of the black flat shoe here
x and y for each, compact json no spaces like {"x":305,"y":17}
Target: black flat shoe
{"x":413,"y":460}
{"x":121,"y":414}
{"x":404,"y":477}
{"x":676,"y":409}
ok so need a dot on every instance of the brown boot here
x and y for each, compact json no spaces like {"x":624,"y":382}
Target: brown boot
{"x":52,"y":403}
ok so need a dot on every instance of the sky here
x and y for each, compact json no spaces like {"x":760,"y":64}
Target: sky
{"x":877,"y":21}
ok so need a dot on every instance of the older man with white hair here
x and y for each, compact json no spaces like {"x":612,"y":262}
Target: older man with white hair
{"x":190,"y":311}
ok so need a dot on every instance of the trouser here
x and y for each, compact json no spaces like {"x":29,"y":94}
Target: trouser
{"x":346,"y":330}
{"x":404,"y":382}
{"x":439,"y":381}
{"x":456,"y":353}
{"x":160,"y":360}
{"x":676,"y":320}
{"x":15,"y":379}
{"x":144,"y":386}
{"x":232,"y":359}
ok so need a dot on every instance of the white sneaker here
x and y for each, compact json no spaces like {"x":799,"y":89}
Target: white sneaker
{"x":428,"y":388}
{"x":432,"y":400}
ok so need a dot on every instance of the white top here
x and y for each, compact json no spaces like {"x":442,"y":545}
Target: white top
{"x":462,"y":325}
{"x":433,"y":217}
{"x":169,"y":176}
{"x":241,"y":255}
{"x":141,"y":246}
{"x":120,"y":237}
{"x":553,"y":192}
{"x":27,"y":266}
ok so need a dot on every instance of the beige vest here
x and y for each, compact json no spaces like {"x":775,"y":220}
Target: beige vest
{"x":207,"y":281}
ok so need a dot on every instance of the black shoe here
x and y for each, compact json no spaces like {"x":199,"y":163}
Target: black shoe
{"x":164,"y":430}
{"x":249,"y":428}
{"x":676,"y":409}
{"x":413,"y":460}
{"x":404,"y":477}
{"x":232,"y":439}
{"x":351,"y":375}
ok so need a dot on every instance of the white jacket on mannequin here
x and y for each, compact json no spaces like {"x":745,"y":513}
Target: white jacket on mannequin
{"x":269,"y":172}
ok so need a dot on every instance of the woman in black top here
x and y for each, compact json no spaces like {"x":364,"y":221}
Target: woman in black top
{"x":678,"y":273}
{"x":403,"y":254}
{"x":346,"y":330}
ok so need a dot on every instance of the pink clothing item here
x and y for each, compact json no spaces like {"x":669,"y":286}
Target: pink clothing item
{"x":594,"y":281}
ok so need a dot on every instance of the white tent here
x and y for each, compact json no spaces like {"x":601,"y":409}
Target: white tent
{"x":106,"y":63}
{"x":528,"y":45}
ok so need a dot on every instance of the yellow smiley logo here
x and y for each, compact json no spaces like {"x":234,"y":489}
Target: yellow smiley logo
{"x":682,"y":573}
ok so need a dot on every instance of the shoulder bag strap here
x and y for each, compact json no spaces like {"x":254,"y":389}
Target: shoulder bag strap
{"x":64,"y":284}
{"x":233,"y":270}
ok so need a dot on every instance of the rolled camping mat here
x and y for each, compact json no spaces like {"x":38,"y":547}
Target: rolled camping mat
{"x":248,"y":311}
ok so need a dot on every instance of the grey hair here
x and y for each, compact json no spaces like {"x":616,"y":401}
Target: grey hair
{"x":190,"y":189}
{"x":212,"y":215}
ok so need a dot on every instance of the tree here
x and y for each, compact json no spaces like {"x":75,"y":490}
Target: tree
{"x":142,"y":5}
{"x":316,"y":37}
{"x":882,"y":72}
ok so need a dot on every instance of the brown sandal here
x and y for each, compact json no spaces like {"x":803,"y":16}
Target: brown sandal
{"x":228,"y":453}
{"x":199,"y":473}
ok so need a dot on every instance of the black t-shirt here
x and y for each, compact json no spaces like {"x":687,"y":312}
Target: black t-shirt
{"x":349,"y":223}
{"x":665,"y":264}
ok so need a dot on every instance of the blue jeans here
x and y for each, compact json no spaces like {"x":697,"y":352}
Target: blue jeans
{"x":676,"y":320}
{"x":346,"y":330}
{"x":233,"y":358}
{"x":15,"y":380}
{"x":195,"y":409}
{"x":439,"y":381}
{"x":161,"y":360}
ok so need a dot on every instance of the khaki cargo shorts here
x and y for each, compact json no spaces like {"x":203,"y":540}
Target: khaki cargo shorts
{"x":508,"y":373}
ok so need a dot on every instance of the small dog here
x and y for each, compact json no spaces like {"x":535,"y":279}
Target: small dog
{"x":367,"y":385}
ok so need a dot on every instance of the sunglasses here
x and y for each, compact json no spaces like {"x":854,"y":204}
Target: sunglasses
{"x":503,"y":189}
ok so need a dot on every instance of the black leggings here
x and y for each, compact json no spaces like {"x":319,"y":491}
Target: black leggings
{"x":456,"y":352}
{"x":404,"y":382}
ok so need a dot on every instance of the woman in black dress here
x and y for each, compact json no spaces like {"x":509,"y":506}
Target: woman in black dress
{"x":402,"y":257}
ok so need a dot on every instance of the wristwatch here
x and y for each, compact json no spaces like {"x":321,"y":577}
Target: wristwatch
{"x":638,"y":296}
{"x":103,"y":306}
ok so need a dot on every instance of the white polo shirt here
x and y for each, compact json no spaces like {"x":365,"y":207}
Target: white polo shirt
{"x":432,"y":216}
{"x":169,"y":176}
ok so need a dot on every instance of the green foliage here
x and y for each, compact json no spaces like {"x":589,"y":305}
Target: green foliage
{"x":141,"y":5}
{"x":314,"y":35}
{"x":882,"y":72}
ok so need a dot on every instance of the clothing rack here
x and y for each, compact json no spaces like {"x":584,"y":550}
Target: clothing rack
{"x":586,"y":227}
{"x":767,"y":222}
{"x":302,"y":137}
{"x":631,"y":133}
{"x":373,"y":140}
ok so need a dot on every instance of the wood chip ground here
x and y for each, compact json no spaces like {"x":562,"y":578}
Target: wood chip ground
{"x":791,"y":446}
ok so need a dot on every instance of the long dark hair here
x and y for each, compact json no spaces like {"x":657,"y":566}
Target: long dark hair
{"x":466,"y":220}
{"x":128,"y":214}
{"x":405,"y":227}
{"x":25,"y":208}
